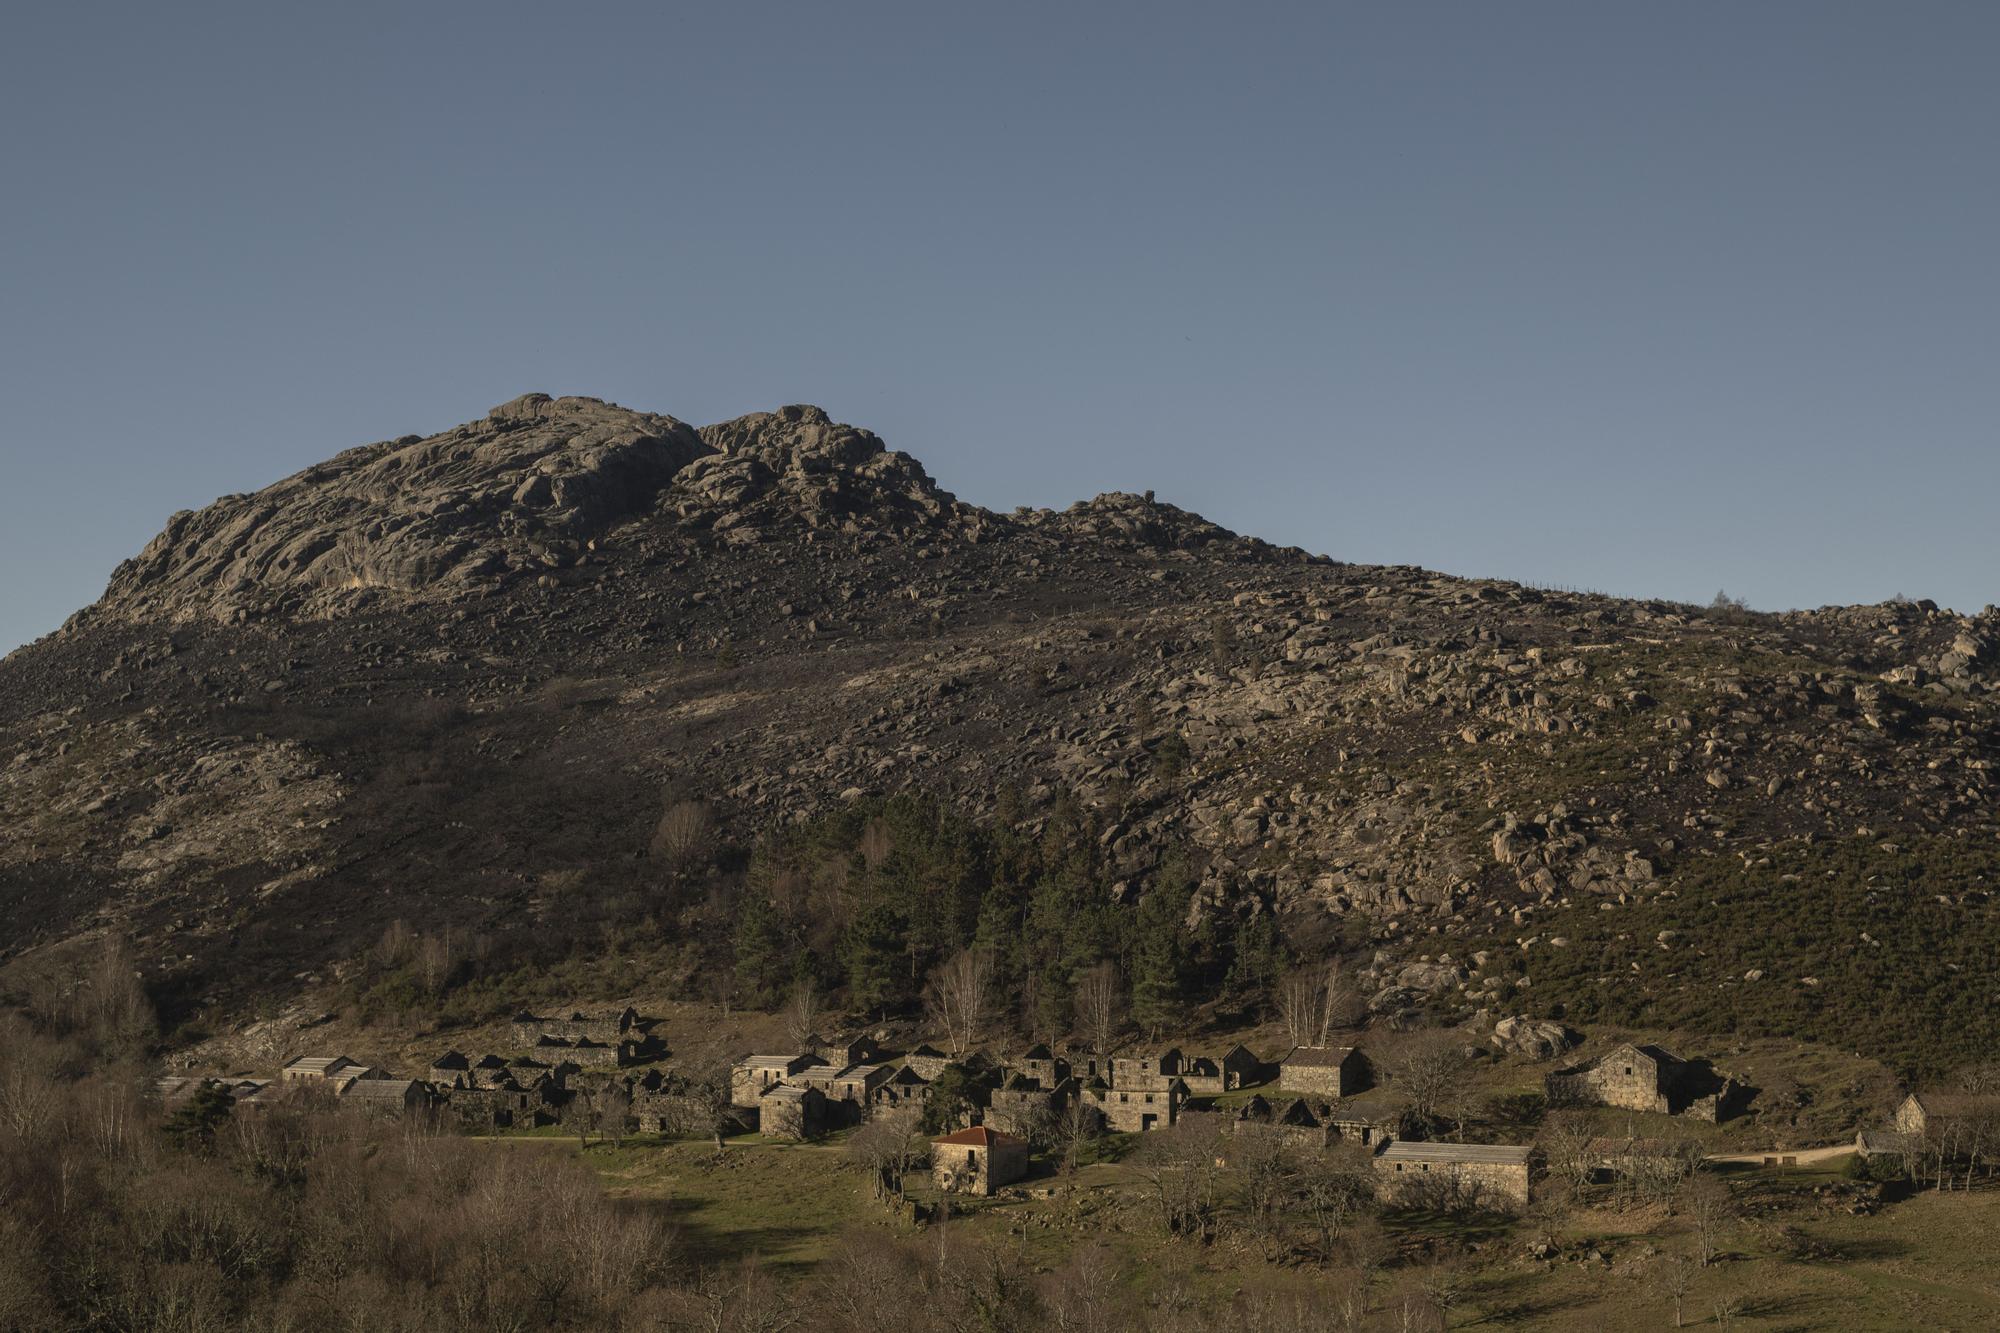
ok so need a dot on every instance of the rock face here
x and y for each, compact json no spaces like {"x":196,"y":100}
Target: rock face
{"x":517,"y":492}
{"x":796,"y":463}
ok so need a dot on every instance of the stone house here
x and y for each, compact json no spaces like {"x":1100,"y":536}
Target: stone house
{"x":1148,"y":1069}
{"x":1042,"y":1065}
{"x":1630,"y":1076}
{"x":858,"y":1083}
{"x":384,"y":1096}
{"x":904,"y":1087}
{"x":928,"y":1061}
{"x":498,"y":1107}
{"x":1086,"y":1065}
{"x":488,"y":1071}
{"x":175,"y":1091}
{"x":1933,"y":1114}
{"x":323,"y":1068}
{"x":978,"y":1160}
{"x":1493,"y":1174}
{"x":586,"y":1053}
{"x":604,"y":1029}
{"x":1323,"y":1071}
{"x":666,"y":1108}
{"x":1295,"y":1121}
{"x":847,"y":1091}
{"x":1129,"y":1110}
{"x":1021,"y":1103}
{"x":841,"y":1051}
{"x":1645,"y":1077}
{"x":527,"y":1071}
{"x":1631,"y":1156}
{"x":1206,"y":1075}
{"x":451,"y":1070}
{"x":1368,"y":1119}
{"x":788,"y":1112}
{"x":755,"y":1075}
{"x":1887,"y":1143}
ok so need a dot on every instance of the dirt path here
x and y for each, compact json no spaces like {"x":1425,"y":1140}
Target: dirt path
{"x":1782,"y":1156}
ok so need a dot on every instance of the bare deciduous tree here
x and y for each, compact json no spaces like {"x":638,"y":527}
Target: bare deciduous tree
{"x":1083,"y":1296}
{"x":434,"y":960}
{"x":960,"y":1000}
{"x":398,"y":944}
{"x":1429,"y":1070}
{"x":886,"y":1147}
{"x":614,"y":1104}
{"x":1179,"y":1165}
{"x":1673,"y":1278}
{"x":876,"y":842}
{"x":1565,"y":1143}
{"x":1075,"y":1127}
{"x":1315,"y":1002}
{"x":803,"y":1015}
{"x":1332,"y":1191}
{"x":1100,"y":1006}
{"x":685,"y":835}
{"x":1709,"y":1207}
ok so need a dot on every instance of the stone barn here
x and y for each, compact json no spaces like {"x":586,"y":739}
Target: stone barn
{"x":904,"y":1087}
{"x":384,"y":1096}
{"x":1149,"y":1069}
{"x":321,"y":1068}
{"x":756,"y":1075}
{"x":978,"y":1160}
{"x":1323,"y":1071}
{"x":1206,"y":1075}
{"x":1492,"y":1175}
{"x":451,"y":1070}
{"x":1369,"y":1119}
{"x":1295,"y":1121}
{"x":1939,"y":1113}
{"x":928,"y":1061}
{"x":1141,"y":1110}
{"x":604,"y":1029}
{"x":1043,"y":1065}
{"x":786,"y":1112}
{"x":1631,"y":1077}
{"x":1020,"y":1104}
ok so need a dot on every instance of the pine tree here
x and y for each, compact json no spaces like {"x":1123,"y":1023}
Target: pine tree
{"x":871,"y":950}
{"x":1159,"y":961}
{"x":760,"y":948}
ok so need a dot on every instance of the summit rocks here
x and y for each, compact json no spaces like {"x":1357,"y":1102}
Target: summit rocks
{"x":516,"y":492}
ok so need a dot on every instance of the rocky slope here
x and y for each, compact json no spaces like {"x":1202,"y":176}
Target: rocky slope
{"x":431,"y":678}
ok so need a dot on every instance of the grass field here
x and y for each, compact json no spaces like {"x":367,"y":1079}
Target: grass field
{"x":1929,"y":1261}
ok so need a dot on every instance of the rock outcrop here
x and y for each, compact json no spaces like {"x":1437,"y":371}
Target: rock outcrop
{"x":518,"y":492}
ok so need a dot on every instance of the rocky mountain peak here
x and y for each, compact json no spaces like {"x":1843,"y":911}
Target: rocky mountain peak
{"x":499,"y":495}
{"x":797,"y":465}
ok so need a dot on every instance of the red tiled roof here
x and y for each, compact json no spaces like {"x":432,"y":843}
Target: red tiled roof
{"x":979,"y":1136}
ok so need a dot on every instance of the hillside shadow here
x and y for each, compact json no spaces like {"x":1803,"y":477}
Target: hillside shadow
{"x":702,"y":1237}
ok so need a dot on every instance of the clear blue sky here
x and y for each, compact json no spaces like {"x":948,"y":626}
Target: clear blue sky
{"x":1645,"y":298}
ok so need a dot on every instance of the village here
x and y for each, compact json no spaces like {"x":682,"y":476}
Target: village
{"x":991,"y":1116}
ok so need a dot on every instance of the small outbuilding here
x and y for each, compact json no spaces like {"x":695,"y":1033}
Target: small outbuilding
{"x":1490,"y":1174}
{"x":787,"y":1112}
{"x":1323,"y":1071}
{"x":978,"y":1160}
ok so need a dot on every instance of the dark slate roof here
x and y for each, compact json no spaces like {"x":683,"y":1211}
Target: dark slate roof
{"x":979,"y":1136}
{"x":1319,"y":1057}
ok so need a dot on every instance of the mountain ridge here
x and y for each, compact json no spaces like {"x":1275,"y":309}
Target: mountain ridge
{"x":253,"y":759}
